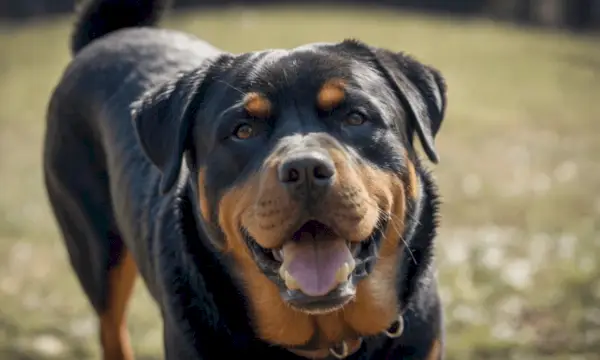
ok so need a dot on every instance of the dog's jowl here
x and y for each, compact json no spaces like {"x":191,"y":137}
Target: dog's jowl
{"x":272,"y":202}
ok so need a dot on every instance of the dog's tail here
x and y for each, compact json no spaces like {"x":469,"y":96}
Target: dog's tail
{"x":100,"y":17}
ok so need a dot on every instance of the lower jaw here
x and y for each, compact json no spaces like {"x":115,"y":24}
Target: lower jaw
{"x":319,"y":305}
{"x":351,"y":347}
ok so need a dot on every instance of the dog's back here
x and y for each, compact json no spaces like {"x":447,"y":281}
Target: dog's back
{"x":94,"y":168}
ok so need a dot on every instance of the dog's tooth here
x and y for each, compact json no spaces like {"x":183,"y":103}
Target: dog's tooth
{"x":351,"y":265}
{"x":282,"y":272}
{"x":343,"y":273}
{"x":278,"y":255}
{"x":290,"y":282}
{"x":354,"y":246}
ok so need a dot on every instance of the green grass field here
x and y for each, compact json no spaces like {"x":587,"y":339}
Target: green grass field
{"x":520,"y":175}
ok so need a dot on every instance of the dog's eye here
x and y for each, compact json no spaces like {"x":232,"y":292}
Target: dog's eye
{"x":243,"y":131}
{"x":355,"y":119}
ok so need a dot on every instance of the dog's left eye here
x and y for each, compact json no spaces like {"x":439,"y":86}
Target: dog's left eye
{"x":355,"y":118}
{"x":243,"y":131}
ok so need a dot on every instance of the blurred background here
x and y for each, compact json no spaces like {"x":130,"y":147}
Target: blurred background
{"x":520,"y":172}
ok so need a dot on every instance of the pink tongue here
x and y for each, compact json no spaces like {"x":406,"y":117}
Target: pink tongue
{"x":313,"y":263}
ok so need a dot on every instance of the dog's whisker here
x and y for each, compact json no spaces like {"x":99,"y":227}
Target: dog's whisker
{"x":394,"y":219}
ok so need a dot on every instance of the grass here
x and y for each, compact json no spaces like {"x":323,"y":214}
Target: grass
{"x":520,"y":176}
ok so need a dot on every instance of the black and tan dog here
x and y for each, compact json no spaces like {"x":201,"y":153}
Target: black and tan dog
{"x":272,"y":201}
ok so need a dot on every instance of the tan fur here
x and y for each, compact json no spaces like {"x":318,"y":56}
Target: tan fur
{"x":204,"y":207}
{"x":435,"y":352}
{"x":114,"y":336}
{"x":257,"y":105}
{"x":331,"y":94}
{"x":412,"y":181}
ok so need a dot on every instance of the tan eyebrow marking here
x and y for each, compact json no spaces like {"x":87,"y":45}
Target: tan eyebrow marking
{"x":257,"y":105}
{"x":331,"y":94}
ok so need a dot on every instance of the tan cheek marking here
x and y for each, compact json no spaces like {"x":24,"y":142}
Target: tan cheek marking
{"x":231,"y":208}
{"x":436,"y":349}
{"x":273,"y":212}
{"x":376,"y":303}
{"x":413,"y":182}
{"x":257,"y":105}
{"x":331,"y":94}
{"x":395,"y":228}
{"x":204,"y":207}
{"x":354,"y":209}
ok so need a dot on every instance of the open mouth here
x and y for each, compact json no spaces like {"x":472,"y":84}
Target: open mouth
{"x":316,"y":270}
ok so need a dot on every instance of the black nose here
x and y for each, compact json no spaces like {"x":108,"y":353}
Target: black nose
{"x":313,"y":168}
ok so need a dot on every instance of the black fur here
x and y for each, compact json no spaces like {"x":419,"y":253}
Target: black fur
{"x":134,"y":118}
{"x":99,"y":18}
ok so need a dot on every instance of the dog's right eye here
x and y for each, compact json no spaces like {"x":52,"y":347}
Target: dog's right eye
{"x":243,"y":131}
{"x":355,"y":118}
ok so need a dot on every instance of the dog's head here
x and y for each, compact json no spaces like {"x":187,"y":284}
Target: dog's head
{"x":306,"y":173}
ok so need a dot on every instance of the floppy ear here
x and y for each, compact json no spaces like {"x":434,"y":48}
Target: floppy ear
{"x":163,"y":119}
{"x":422,"y":89}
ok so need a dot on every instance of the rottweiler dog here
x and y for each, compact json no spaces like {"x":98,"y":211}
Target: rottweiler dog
{"x":272,"y":201}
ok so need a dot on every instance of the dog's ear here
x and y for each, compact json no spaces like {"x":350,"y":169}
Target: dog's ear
{"x":163,"y":119}
{"x":422,"y":89}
